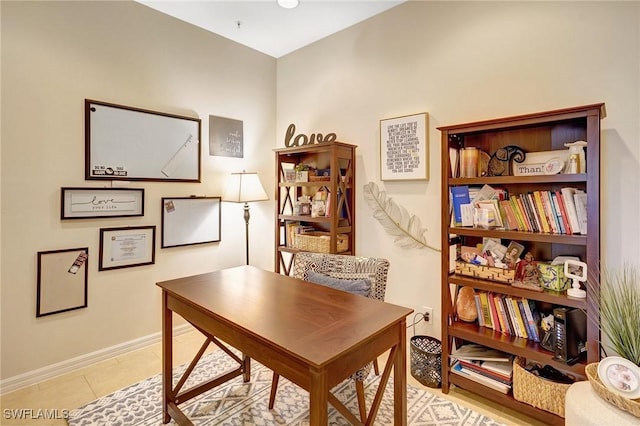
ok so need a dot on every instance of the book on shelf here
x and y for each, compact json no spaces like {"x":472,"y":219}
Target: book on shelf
{"x":503,"y":374}
{"x":557,"y":211}
{"x":459,"y":196}
{"x":514,"y":207}
{"x":473,"y":351}
{"x":476,"y":297}
{"x":505,"y":312}
{"x":533,"y":318}
{"x":565,"y":216}
{"x":540,"y":212}
{"x":570,"y":206}
{"x":508,"y":215}
{"x":548,"y":211}
{"x":479,"y":378}
{"x":486,"y":314}
{"x":580,"y":200}
{"x":497,"y":325}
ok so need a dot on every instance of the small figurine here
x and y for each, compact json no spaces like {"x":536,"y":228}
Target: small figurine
{"x":500,"y":162}
{"x":527,"y":275}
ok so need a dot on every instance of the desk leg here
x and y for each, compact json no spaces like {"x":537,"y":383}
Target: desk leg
{"x":400,"y":378}
{"x":318,"y":398}
{"x":167,"y":359}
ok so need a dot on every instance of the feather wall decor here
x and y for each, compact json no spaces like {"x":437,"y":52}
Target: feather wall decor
{"x":396,"y":220}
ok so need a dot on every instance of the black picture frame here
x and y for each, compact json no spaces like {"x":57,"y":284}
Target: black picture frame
{"x":93,"y":203}
{"x":190,"y":220}
{"x":126,"y":247}
{"x":62,"y":281}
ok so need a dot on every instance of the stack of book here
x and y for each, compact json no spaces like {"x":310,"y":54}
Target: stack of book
{"x":514,"y":316}
{"x":483,"y":365}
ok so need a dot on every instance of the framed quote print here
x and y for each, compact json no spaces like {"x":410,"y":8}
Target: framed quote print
{"x":404,"y":148}
{"x":91,"y":203}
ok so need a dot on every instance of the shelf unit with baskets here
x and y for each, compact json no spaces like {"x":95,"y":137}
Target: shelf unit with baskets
{"x":333,"y":232}
{"x":544,"y":131}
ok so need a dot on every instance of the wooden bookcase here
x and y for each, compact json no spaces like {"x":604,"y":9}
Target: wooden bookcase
{"x":338,"y":160}
{"x":544,"y":131}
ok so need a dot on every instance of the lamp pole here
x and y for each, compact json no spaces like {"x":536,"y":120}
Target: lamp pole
{"x":247,"y":216}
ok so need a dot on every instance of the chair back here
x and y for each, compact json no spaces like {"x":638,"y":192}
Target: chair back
{"x":344,"y":267}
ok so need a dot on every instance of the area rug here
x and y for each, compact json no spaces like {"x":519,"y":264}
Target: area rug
{"x":245,"y":404}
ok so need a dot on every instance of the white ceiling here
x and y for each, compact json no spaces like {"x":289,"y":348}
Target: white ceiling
{"x":264,"y":26}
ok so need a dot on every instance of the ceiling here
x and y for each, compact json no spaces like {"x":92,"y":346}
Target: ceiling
{"x":264,"y":26}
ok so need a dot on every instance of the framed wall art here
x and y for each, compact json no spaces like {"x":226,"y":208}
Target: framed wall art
{"x":190,"y":220}
{"x":404,"y":148}
{"x":127,"y":143}
{"x":225,"y":137}
{"x":62,"y":281}
{"x":126,"y":247}
{"x":90,"y":203}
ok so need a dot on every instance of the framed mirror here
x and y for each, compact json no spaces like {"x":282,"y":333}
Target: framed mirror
{"x":127,"y":143}
{"x":62,"y":281}
{"x":190,"y":220}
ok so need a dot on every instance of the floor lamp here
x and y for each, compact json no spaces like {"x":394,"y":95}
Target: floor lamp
{"x":244,"y":187}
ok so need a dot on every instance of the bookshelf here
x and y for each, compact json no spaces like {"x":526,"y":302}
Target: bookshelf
{"x":337,"y":159}
{"x":537,"y":132}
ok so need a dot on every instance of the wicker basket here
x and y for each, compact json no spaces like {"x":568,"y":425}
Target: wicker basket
{"x":536,"y":391}
{"x":320,"y":242}
{"x":426,"y":360}
{"x":630,"y":405}
{"x":485,"y":272}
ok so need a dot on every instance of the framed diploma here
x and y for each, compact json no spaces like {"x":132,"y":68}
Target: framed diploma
{"x":403,"y":148}
{"x":62,"y":281}
{"x":127,"y":247}
{"x":91,"y":203}
{"x":190,"y":220}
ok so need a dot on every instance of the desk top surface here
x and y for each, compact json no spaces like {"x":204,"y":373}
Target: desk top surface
{"x":314,"y":322}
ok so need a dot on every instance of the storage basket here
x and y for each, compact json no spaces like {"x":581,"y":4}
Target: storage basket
{"x":320,"y":242}
{"x":630,"y":405}
{"x":536,"y":391}
{"x":492,"y":273}
{"x":426,"y":360}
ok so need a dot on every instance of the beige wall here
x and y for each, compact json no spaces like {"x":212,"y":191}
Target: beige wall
{"x":457,"y":61}
{"x":56,"y":54}
{"x":461,"y":62}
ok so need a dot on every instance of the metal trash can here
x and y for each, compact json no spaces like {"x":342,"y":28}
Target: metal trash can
{"x":426,"y":360}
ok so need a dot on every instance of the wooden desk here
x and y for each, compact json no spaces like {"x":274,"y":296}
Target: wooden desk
{"x":313,"y":335}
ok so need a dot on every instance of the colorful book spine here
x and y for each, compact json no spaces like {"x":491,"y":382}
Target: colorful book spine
{"x":563,"y":209}
{"x":548,"y":207}
{"x":494,"y":313}
{"x":544,"y":222}
{"x":476,"y":297}
{"x":567,"y":197}
{"x":558,"y":212}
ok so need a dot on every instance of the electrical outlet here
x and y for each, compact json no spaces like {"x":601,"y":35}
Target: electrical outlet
{"x":427,"y":314}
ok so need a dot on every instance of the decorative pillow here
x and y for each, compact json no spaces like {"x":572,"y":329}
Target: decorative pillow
{"x":360,"y":287}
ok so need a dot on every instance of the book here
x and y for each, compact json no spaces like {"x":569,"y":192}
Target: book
{"x":548,"y":210}
{"x":520,"y":302}
{"x":477,"y":352}
{"x":565,"y":217}
{"x":510,"y":219}
{"x":541,"y":212}
{"x":495,"y":220}
{"x":481,"y":367}
{"x":459,"y":196}
{"x":497,"y":324}
{"x":567,"y":197}
{"x":523,"y":213}
{"x":557,"y":211}
{"x":476,"y":297}
{"x":514,"y":207}
{"x":508,"y":329}
{"x":530,"y":306}
{"x":527,"y":202}
{"x":580,"y":200}
{"x":479,"y":378}
{"x":486,"y":314}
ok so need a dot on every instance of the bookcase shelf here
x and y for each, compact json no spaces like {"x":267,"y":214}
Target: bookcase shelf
{"x":338,"y":159}
{"x":543,"y":131}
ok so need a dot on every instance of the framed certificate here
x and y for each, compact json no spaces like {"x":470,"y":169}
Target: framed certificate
{"x":127,"y":247}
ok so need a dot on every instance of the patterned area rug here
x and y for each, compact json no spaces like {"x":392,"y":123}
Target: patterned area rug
{"x":238,"y":403}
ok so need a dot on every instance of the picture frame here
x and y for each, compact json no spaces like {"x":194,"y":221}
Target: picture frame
{"x":226,"y":137}
{"x":92,"y":203}
{"x":404,"y":151}
{"x":190,"y":220}
{"x":62,"y":281}
{"x":129,"y":143}
{"x":125,"y":247}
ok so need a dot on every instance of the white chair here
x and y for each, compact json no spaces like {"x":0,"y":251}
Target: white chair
{"x":343,"y":267}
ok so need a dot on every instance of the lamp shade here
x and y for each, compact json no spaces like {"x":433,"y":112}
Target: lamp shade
{"x":244,"y":187}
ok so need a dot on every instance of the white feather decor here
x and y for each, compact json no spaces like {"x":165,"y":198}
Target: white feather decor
{"x":406,"y":228}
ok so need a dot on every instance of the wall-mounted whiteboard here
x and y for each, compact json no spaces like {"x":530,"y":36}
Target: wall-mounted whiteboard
{"x":126,"y":143}
{"x":190,"y":220}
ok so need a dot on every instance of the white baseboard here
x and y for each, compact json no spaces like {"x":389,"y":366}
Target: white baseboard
{"x":45,"y":373}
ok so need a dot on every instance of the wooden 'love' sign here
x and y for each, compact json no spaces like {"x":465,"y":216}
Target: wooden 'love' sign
{"x":290,"y":140}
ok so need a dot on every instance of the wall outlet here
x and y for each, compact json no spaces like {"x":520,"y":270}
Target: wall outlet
{"x":427,"y":314}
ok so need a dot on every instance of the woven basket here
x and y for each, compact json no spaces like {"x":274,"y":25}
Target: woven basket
{"x":630,"y":405}
{"x":320,"y":242}
{"x":485,"y":272}
{"x":426,"y":360}
{"x":536,"y":391}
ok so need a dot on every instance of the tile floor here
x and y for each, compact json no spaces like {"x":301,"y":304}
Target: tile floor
{"x":78,"y":388}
